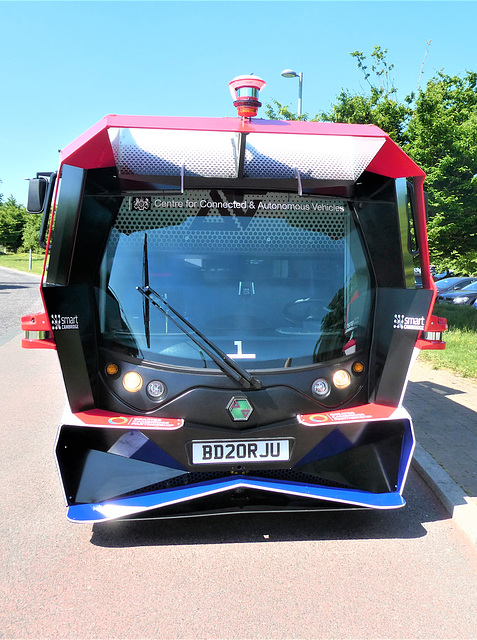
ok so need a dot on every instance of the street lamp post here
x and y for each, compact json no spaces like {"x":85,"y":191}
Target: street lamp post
{"x":289,"y":73}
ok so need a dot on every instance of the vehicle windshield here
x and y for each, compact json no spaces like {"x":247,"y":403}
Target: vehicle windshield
{"x":272,"y":279}
{"x":470,"y":287}
{"x":446,"y":282}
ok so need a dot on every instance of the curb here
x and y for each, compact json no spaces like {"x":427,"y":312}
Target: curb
{"x":454,"y":499}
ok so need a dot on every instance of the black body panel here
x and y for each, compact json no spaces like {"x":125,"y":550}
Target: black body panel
{"x":364,"y":456}
{"x":87,"y":208}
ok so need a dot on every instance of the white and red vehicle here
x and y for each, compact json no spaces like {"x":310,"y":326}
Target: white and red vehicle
{"x":235,"y":313}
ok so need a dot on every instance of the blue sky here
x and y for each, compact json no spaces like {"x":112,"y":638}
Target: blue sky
{"x":65,"y":64}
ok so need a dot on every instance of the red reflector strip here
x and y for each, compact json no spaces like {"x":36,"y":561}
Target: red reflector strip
{"x":107,"y":419}
{"x":357,"y":414}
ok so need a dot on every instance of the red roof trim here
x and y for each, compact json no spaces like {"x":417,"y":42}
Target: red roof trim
{"x":393,"y":162}
{"x":93,"y":149}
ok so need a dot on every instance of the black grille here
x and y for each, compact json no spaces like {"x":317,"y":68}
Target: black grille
{"x":288,"y":475}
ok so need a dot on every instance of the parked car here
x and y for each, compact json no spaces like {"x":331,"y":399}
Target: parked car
{"x":453,"y":284}
{"x":467,"y":295}
{"x":441,"y":276}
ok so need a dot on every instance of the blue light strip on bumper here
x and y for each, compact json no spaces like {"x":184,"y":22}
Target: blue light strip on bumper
{"x":128,"y":506}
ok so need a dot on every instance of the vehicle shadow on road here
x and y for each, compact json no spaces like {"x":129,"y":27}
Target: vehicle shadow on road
{"x":351,"y":524}
{"x":4,"y":288}
{"x":425,"y":386}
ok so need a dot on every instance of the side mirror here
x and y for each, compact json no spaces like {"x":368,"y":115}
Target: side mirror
{"x":37,"y":190}
{"x":40,"y":195}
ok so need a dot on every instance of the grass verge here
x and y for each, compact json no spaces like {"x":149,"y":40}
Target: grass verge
{"x":20,"y":261}
{"x":460,"y":354}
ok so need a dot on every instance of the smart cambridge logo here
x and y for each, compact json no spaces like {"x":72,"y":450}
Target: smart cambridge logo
{"x":408,"y":322}
{"x":59,"y":322}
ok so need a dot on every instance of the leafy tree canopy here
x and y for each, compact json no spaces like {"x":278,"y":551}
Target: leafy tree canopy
{"x":17,"y":227}
{"x":31,"y":233}
{"x":443,"y":141}
{"x":12,"y":221}
{"x":380,"y":105}
{"x":438,"y":129}
{"x":278,"y":111}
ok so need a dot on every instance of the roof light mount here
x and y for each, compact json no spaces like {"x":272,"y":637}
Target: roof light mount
{"x":245,"y":91}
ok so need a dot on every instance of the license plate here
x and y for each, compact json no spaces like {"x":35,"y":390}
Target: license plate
{"x":232,"y":451}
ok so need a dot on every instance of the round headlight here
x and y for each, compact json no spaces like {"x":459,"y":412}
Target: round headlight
{"x":132,"y":381}
{"x":156,"y":389}
{"x":320,"y":387}
{"x":341,"y":379}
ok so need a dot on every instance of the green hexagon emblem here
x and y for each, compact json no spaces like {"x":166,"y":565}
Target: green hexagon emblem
{"x":240,"y":409}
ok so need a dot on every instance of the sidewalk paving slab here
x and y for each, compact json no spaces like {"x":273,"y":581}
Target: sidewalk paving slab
{"x":443,"y":407}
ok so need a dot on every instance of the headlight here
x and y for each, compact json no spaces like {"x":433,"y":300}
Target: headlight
{"x":461,"y":300}
{"x":132,"y":381}
{"x":341,"y":379}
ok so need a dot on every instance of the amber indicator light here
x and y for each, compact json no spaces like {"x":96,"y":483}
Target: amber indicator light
{"x":358,"y":367}
{"x":112,"y":369}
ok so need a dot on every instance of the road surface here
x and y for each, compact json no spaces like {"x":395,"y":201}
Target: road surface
{"x":18,"y":295}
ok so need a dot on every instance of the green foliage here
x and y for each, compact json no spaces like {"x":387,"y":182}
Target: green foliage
{"x":458,"y":316}
{"x":21,"y":262}
{"x":17,"y":227}
{"x":443,"y":141}
{"x":12,"y":221}
{"x":31,"y":232}
{"x":380,"y":106}
{"x":460,"y":354}
{"x":438,"y":129}
{"x":278,"y":111}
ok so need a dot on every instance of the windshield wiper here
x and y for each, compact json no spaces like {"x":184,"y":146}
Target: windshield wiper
{"x":145,"y":302}
{"x":221,"y":359}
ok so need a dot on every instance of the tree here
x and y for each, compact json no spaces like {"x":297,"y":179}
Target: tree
{"x":380,"y":106}
{"x":443,"y":141}
{"x":12,"y":221}
{"x":438,"y":129}
{"x":278,"y":111}
{"x":31,"y":232}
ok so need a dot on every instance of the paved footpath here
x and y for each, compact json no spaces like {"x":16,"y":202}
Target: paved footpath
{"x":444,"y":411}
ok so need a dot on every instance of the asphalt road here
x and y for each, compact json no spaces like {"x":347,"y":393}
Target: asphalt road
{"x":19,"y":295}
{"x":408,"y":573}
